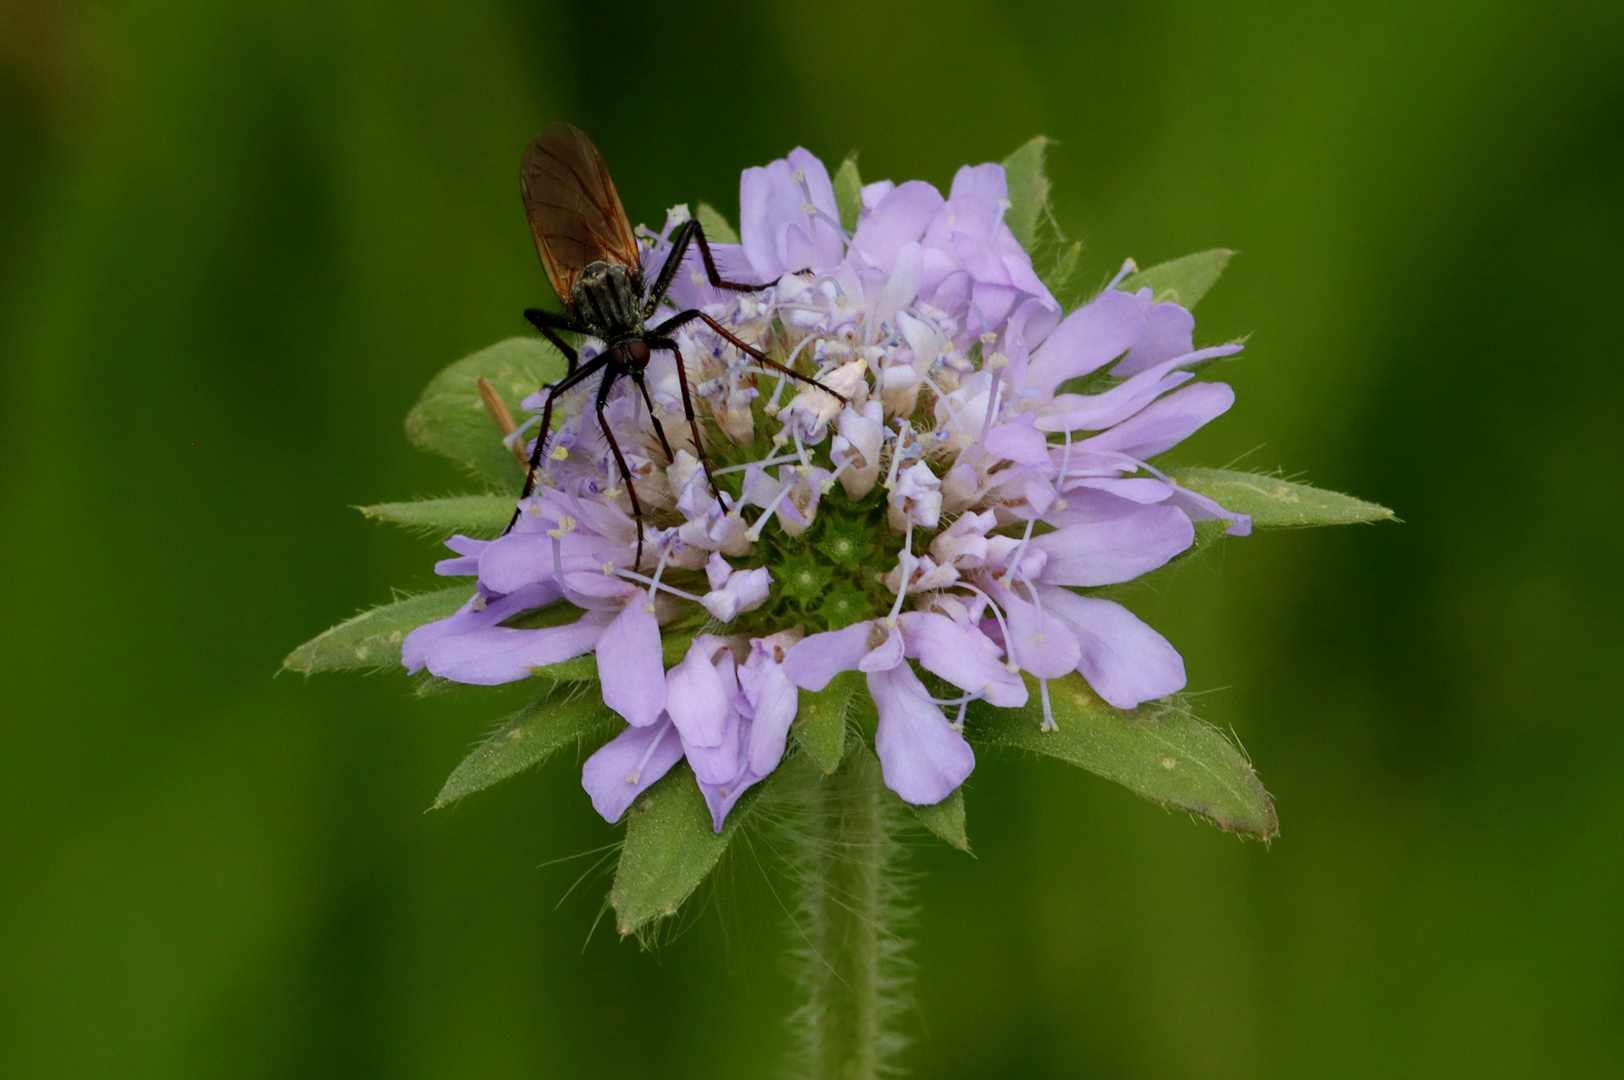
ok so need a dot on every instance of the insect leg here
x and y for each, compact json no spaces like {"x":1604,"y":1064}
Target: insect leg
{"x":549,"y":324}
{"x":604,"y":387}
{"x":637,"y":377}
{"x":689,"y":316}
{"x":688,"y":232}
{"x":688,"y":409}
{"x":563,"y":385}
{"x":710,"y":265}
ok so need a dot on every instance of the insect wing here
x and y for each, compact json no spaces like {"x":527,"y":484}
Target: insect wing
{"x":575,"y":212}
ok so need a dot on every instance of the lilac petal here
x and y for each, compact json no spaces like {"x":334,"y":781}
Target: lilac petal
{"x":773,"y":702}
{"x":1087,"y":339}
{"x":1087,"y":504}
{"x":922,"y":757}
{"x":759,"y":212}
{"x":722,"y":762}
{"x":818,"y":658}
{"x":481,"y":612}
{"x":980,"y":182}
{"x":888,"y":654}
{"x":991,"y":303}
{"x":502,"y":654}
{"x":1038,"y":641}
{"x":630,"y":667}
{"x":1125,"y":661}
{"x":1035,"y":319}
{"x":462,"y":566}
{"x":717,"y":570}
{"x":1166,"y":423}
{"x":872,"y":194}
{"x":1018,"y":441}
{"x":1116,"y":550}
{"x":1140,"y":489}
{"x":964,"y":656}
{"x":745,"y":590}
{"x":515,"y":560}
{"x":899,"y":218}
{"x":624,"y":767}
{"x":466,"y":566}
{"x":720,"y":798}
{"x":697,"y":693}
{"x":1168,"y":332}
{"x":1200,"y":507}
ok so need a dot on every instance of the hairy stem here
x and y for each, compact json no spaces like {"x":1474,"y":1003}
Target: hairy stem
{"x":852,"y":968}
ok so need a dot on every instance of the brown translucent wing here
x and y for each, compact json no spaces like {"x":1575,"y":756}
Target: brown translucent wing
{"x":575,"y":212}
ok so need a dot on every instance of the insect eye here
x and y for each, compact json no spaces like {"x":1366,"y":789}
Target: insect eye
{"x":639,"y":351}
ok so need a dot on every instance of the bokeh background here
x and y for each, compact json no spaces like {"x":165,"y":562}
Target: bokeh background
{"x":237,"y":238}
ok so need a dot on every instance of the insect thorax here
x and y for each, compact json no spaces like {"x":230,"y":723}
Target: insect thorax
{"x":609,"y":300}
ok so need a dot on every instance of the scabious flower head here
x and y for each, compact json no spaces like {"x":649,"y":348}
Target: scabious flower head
{"x":930,"y":531}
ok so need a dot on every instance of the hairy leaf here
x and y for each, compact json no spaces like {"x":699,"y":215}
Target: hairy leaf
{"x":717,"y":229}
{"x":1028,"y":191}
{"x":820,"y":721}
{"x":1184,"y":281}
{"x":450,"y":417}
{"x":848,"y":192}
{"x":946,"y":819}
{"x":527,"y":738}
{"x":372,"y":639}
{"x":1273,"y":502}
{"x":483,"y":516}
{"x":1061,"y":273}
{"x":670,"y":848}
{"x":1162,"y":752}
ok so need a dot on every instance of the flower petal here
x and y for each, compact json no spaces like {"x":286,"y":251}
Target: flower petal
{"x":899,"y":218}
{"x":820,"y":657}
{"x":625,"y":766}
{"x":1038,"y":641}
{"x":698,"y":697}
{"x":922,"y":757}
{"x":1115,"y":550}
{"x":773,"y":701}
{"x":1124,"y":660}
{"x":1164,"y":424}
{"x":630,"y":667}
{"x":1087,"y":339}
{"x":964,"y":656}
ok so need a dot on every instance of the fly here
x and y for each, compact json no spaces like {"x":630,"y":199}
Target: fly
{"x":591,"y":257}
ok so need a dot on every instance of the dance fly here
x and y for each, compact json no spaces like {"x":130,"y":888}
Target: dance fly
{"x":591,"y":257}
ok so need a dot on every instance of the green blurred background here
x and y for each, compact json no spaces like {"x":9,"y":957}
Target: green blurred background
{"x":237,"y":238}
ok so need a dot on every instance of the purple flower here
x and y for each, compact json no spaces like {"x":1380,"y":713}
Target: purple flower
{"x":996,"y":448}
{"x":731,"y":721}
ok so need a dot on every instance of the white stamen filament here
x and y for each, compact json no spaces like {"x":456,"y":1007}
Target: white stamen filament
{"x":997,"y":613}
{"x":636,"y":775}
{"x":992,"y":399}
{"x":827,"y":484}
{"x":800,"y":449}
{"x":659,"y":570}
{"x":905,"y":566}
{"x":764,"y":462}
{"x":657,"y":585}
{"x":754,"y":532}
{"x":558,"y":571}
{"x":1048,"y":709}
{"x":518,"y":433}
{"x":1128,"y":267}
{"x":904,"y":429}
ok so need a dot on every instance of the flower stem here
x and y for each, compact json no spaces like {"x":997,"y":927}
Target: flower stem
{"x":852,"y":968}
